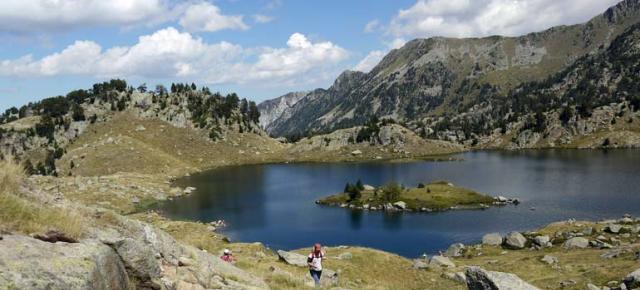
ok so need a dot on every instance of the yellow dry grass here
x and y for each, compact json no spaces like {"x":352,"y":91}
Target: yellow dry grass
{"x":19,"y":214}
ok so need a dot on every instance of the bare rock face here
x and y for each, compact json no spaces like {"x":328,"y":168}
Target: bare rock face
{"x":293,"y":258}
{"x":480,"y":279}
{"x":154,"y":258}
{"x":272,"y":110}
{"x":27,"y":263}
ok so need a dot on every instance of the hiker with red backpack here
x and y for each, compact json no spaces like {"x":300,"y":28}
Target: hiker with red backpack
{"x":314,"y":260}
{"x":227,"y":256}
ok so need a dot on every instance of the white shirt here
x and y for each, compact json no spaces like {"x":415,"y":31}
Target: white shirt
{"x":315,"y":261}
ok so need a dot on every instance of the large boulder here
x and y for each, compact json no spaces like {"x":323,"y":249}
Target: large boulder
{"x":515,"y":240}
{"x":140,"y":261}
{"x":480,"y":279}
{"x":577,"y":242}
{"x":441,"y":261}
{"x":542,"y":241}
{"x":632,"y":280}
{"x":455,"y":250}
{"x":492,"y":239}
{"x":420,"y":264}
{"x":27,"y":263}
{"x":142,"y":247}
{"x":293,"y":258}
{"x":613,"y":228}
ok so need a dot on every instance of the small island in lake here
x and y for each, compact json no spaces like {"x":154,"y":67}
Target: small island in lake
{"x":435,"y":196}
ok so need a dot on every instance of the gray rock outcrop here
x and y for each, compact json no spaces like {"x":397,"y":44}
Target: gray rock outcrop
{"x":27,"y":263}
{"x":492,"y":239}
{"x":293,"y":258}
{"x":441,"y":261}
{"x":632,"y":280}
{"x":480,"y":279}
{"x":577,"y":242}
{"x":455,"y":250}
{"x":515,"y":240}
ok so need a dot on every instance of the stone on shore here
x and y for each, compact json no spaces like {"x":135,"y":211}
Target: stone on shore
{"x":400,"y":205}
{"x":613,"y":228}
{"x":480,"y":279}
{"x":515,"y":240}
{"x":454,"y":250}
{"x":492,"y":239}
{"x":577,"y":242}
{"x":542,"y":241}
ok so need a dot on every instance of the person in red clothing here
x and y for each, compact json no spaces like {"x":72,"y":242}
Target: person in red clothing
{"x":314,"y":260}
{"x":227,"y":256}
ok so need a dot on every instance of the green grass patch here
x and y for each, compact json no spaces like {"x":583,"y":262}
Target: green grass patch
{"x":436,"y":196}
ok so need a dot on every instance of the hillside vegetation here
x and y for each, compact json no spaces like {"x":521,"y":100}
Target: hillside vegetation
{"x":568,"y":86}
{"x":435,"y":196}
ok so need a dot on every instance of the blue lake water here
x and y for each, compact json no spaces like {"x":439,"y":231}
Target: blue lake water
{"x":274,"y":204}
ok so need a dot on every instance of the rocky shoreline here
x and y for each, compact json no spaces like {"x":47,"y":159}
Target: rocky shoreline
{"x":617,"y":238}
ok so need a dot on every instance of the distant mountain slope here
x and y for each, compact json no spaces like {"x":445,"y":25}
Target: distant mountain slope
{"x":595,"y":102}
{"x":273,"y":109}
{"x":439,"y":76}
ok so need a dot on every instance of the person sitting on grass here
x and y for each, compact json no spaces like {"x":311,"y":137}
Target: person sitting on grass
{"x":314,"y":260}
{"x":227,"y":256}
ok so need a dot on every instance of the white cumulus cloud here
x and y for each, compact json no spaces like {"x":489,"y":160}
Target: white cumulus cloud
{"x":370,"y":61}
{"x":169,"y":53}
{"x":467,"y":18}
{"x":48,"y":15}
{"x":372,"y":26}
{"x":205,"y":16}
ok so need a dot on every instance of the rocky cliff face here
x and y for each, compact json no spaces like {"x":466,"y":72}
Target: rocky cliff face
{"x":271,"y":110}
{"x":592,"y":103}
{"x":439,"y":76}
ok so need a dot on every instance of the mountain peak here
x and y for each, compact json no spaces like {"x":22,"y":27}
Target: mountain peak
{"x":622,"y":10}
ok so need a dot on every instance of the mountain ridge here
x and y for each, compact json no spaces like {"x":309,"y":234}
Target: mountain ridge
{"x":428,"y":77}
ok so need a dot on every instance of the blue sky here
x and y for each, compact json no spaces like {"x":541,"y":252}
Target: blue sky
{"x":258,"y":48}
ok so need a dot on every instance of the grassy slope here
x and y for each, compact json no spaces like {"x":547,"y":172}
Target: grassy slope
{"x":116,"y":146}
{"x":21,"y":214}
{"x":160,"y":149}
{"x":435,"y":196}
{"x":21,"y":124}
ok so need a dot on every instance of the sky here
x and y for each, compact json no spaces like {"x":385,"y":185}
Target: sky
{"x":260,"y":49}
